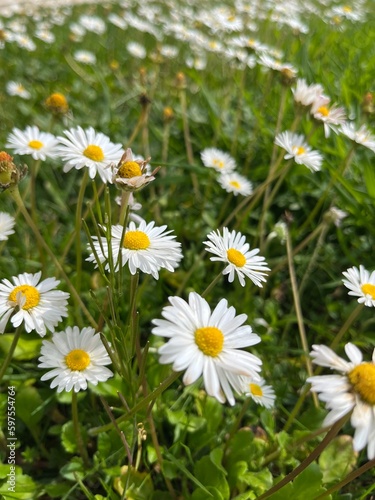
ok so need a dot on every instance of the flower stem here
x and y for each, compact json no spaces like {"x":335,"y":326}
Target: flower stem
{"x":212,"y":284}
{"x":78,"y":230}
{"x":77,"y":431}
{"x":9,"y":355}
{"x":314,"y":455}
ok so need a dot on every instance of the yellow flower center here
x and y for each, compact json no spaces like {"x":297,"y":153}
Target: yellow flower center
{"x":57,"y":102}
{"x":368,"y":289}
{"x":218,"y":163}
{"x":236,"y":257}
{"x":300,"y":150}
{"x":362,"y":378}
{"x":29,"y":292}
{"x":210,"y":340}
{"x":77,"y":360}
{"x":255,"y":390}
{"x":94,"y":153}
{"x":35,"y":144}
{"x":346,"y":8}
{"x":129,"y":169}
{"x":136,"y":240}
{"x":235,"y":184}
{"x":323,"y":110}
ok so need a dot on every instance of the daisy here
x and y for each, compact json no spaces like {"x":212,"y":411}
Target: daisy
{"x":298,"y":149}
{"x":207,"y":343}
{"x":232,"y":249}
{"x":87,"y":148}
{"x":136,"y":50}
{"x":361,"y":284}
{"x":92,"y":23}
{"x":361,"y":136}
{"x":16,"y":88}
{"x":353,"y":390}
{"x":219,"y":160}
{"x":331,"y":117}
{"x":236,"y":184}
{"x":40,"y":145}
{"x":7,"y":223}
{"x":144,"y":247}
{"x":36,"y":303}
{"x":305,"y":94}
{"x":75,"y":358}
{"x":84,"y":56}
{"x":132,"y":172}
{"x":261,"y":393}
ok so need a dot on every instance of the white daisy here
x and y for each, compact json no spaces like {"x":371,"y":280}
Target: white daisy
{"x":261,"y":393}
{"x":231,"y":248}
{"x":7,"y":223}
{"x":84,"y":56}
{"x":235,"y":183}
{"x":92,"y":23}
{"x":40,"y":145}
{"x":219,"y":160}
{"x":207,"y":343}
{"x":136,"y":50}
{"x":361,"y":136}
{"x":16,"y":88}
{"x":331,"y":117}
{"x":351,"y":391}
{"x":305,"y":94}
{"x":87,"y":148}
{"x":132,"y":172}
{"x":144,"y":247}
{"x":361,"y":284}
{"x":298,"y":149}
{"x":76,"y":357}
{"x":38,"y":304}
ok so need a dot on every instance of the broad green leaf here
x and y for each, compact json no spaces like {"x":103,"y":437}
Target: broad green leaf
{"x":338,"y":459}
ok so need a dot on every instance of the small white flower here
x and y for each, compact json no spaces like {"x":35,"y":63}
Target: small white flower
{"x":16,"y":88}
{"x":35,"y":303}
{"x":231,"y":248}
{"x":236,"y":184}
{"x":219,"y":160}
{"x":40,"y":145}
{"x":298,"y":149}
{"x":87,"y":148}
{"x":361,"y":136}
{"x":306,"y":94}
{"x":7,"y":223}
{"x":144,"y":247}
{"x":331,"y":117}
{"x":261,"y":393}
{"x":136,"y":50}
{"x":93,"y":23}
{"x":351,"y":391}
{"x":208,"y":343}
{"x":361,"y":284}
{"x":85,"y":57}
{"x":75,"y":358}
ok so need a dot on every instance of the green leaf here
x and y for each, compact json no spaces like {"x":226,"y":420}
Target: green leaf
{"x":26,"y":349}
{"x":202,"y":495}
{"x":369,"y":174}
{"x":210,"y":475}
{"x":24,"y":489}
{"x":338,"y":459}
{"x":68,"y":438}
{"x":29,"y":404}
{"x":260,"y":481}
{"x":183,"y":469}
{"x":308,"y":484}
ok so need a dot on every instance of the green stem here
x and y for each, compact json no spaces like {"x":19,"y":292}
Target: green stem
{"x":9,"y":355}
{"x":78,"y":225}
{"x":77,"y":431}
{"x":313,"y":456}
{"x":298,"y":309}
{"x":212,"y":284}
{"x":346,"y":325}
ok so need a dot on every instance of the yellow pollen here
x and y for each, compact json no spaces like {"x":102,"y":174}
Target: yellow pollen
{"x":136,"y":240}
{"x":236,"y":257}
{"x":210,"y":340}
{"x":35,"y":144}
{"x":368,"y":289}
{"x":129,"y":169}
{"x":255,"y":390}
{"x":29,"y":292}
{"x":300,"y":150}
{"x":323,"y":110}
{"x":362,"y":378}
{"x":77,"y":360}
{"x":218,"y":163}
{"x":235,"y":184}
{"x":94,"y":153}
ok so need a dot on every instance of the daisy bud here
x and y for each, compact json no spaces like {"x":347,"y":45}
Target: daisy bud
{"x":57,"y":104}
{"x":10,"y":175}
{"x":168,"y":113}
